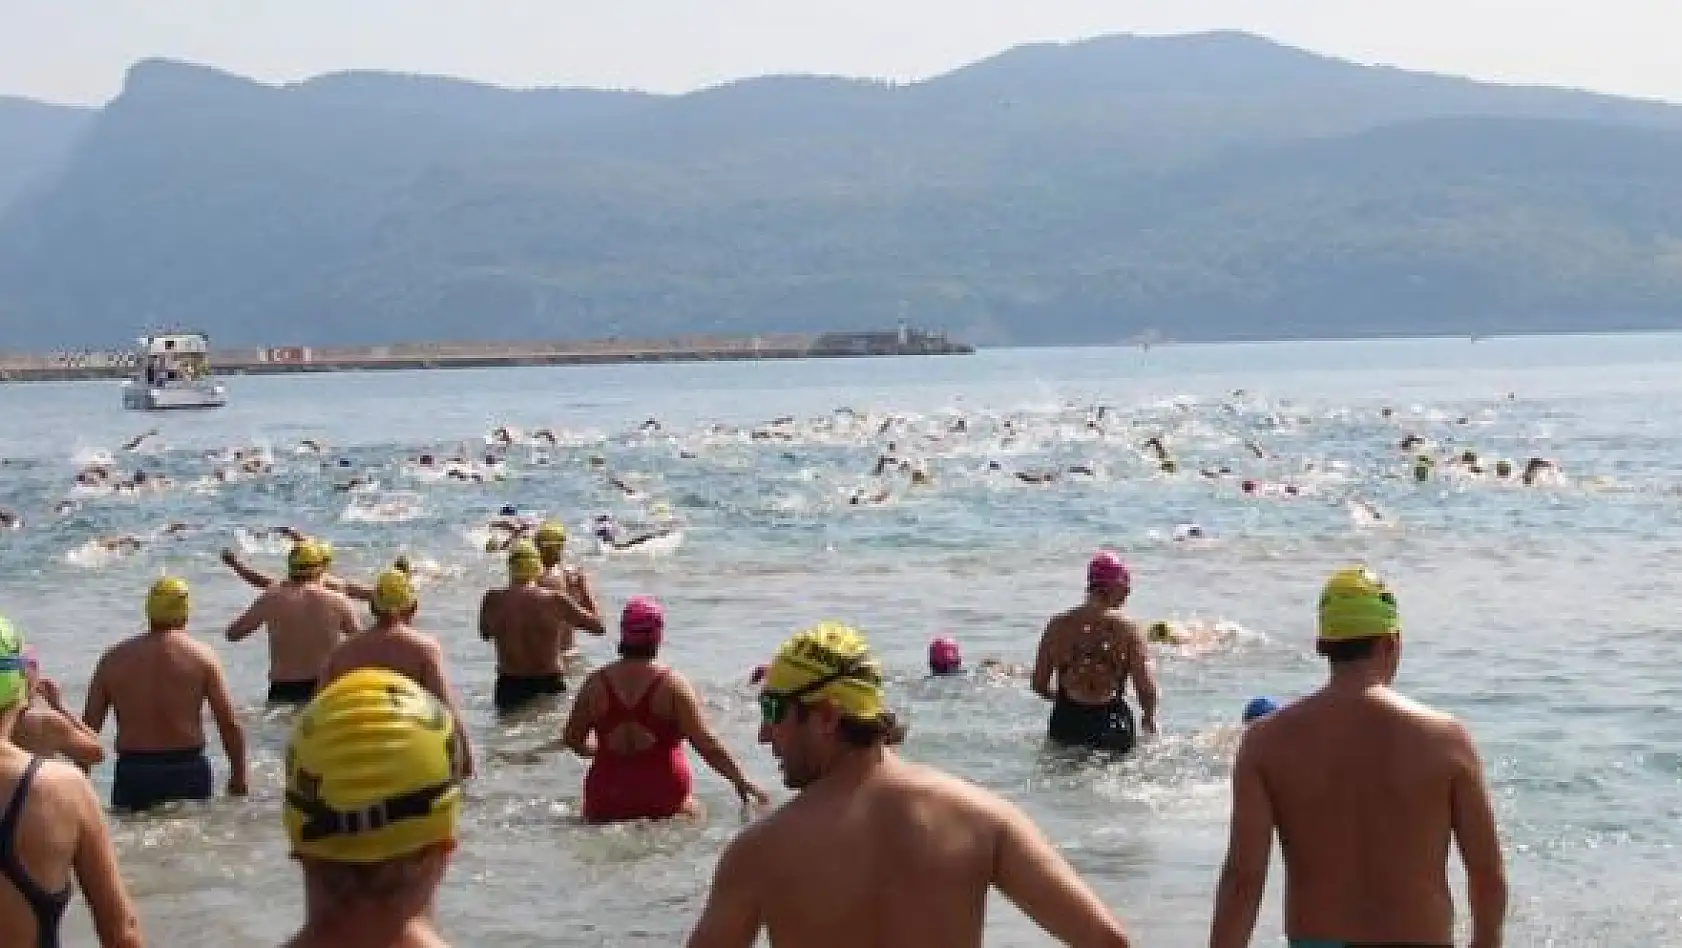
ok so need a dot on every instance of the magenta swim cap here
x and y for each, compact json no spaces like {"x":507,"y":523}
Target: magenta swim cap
{"x":643,"y":622}
{"x":944,"y":655}
{"x":1106,"y":570}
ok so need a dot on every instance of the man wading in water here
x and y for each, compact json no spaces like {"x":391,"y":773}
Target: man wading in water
{"x":875,"y":850}
{"x":1093,"y":650}
{"x":158,"y":683}
{"x":305,"y":620}
{"x":1366,"y":788}
{"x":531,"y":626}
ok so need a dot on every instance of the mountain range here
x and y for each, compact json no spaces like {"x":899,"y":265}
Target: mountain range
{"x":1198,"y":187}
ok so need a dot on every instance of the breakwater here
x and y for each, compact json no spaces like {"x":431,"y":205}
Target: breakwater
{"x":298,"y":359}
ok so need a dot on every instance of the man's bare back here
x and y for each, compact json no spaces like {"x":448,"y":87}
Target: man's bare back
{"x":158,"y":684}
{"x":1364,"y":788}
{"x":909,"y":855}
{"x":532,"y":628}
{"x":305,"y":620}
{"x":414,"y":655}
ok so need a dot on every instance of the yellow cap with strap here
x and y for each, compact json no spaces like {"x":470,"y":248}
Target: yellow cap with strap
{"x":1356,"y":604}
{"x":833,"y":651}
{"x":371,"y":773}
{"x":167,"y":603}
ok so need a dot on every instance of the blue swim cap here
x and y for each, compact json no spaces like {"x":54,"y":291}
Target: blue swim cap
{"x":1259,"y":708}
{"x":509,"y":510}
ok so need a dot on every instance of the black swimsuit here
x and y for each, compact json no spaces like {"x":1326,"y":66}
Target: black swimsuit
{"x":48,"y":907}
{"x":1108,"y":726}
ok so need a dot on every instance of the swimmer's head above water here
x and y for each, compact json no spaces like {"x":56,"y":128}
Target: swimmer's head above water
{"x":945,"y":657}
{"x":551,"y":541}
{"x":1359,"y":620}
{"x":167,"y":604}
{"x":1258,"y":708}
{"x":308,"y":559}
{"x":14,"y":671}
{"x":823,"y":698}
{"x":525,"y":563}
{"x":394,"y":596}
{"x":642,"y":627}
{"x":1107,"y":578}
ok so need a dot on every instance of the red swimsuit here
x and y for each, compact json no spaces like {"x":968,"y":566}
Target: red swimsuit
{"x":652,"y":784}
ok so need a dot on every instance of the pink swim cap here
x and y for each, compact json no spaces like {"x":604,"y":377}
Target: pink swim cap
{"x":944,"y":655}
{"x":758,"y":674}
{"x":642,"y":622}
{"x":1106,"y":570}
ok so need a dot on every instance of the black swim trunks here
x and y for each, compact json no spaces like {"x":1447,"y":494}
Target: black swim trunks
{"x":291,"y":692}
{"x":145,"y":779}
{"x":1102,"y":726}
{"x":514,"y":692}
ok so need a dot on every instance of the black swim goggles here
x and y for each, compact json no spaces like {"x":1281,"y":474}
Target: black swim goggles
{"x":322,"y":821}
{"x":774,"y":705}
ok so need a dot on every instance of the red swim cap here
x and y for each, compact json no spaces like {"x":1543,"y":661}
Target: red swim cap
{"x":944,"y":655}
{"x":643,"y":622}
{"x":1107,"y":570}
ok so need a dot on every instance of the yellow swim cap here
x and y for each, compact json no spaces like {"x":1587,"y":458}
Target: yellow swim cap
{"x":551,"y":534}
{"x":525,"y":563}
{"x":1160,"y":632}
{"x":394,"y":594}
{"x":166,"y":603}
{"x":370,"y":771}
{"x":1357,"y":605}
{"x":308,"y":556}
{"x":14,"y":677}
{"x":836,"y":652}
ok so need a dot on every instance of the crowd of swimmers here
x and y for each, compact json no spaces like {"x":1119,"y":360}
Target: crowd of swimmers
{"x":1366,"y":787}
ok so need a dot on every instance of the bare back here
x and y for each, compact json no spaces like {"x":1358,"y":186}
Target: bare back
{"x":305,"y":620}
{"x":1361,"y":784}
{"x":528,"y":625}
{"x":1090,"y":652}
{"x":400,"y":649}
{"x":48,"y":829}
{"x":908,"y":858}
{"x":158,"y":683}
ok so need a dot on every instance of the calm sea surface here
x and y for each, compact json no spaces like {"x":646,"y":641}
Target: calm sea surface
{"x":1546,"y":617}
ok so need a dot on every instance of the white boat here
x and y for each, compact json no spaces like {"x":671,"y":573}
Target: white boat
{"x":172,"y":370}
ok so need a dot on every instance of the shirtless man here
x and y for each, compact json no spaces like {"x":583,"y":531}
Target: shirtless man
{"x":158,"y":683}
{"x":393,"y":643}
{"x":45,"y":727}
{"x":372,"y":742}
{"x":532,"y":627}
{"x":875,"y":850}
{"x":1365,"y":788}
{"x":305,"y":620}
{"x":51,"y":829}
{"x":262,"y":580}
{"x":1093,"y":650}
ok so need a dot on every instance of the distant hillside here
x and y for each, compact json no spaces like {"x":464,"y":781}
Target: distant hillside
{"x":35,"y":139}
{"x":1208,"y":186}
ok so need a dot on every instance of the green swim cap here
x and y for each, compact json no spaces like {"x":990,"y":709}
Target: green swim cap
{"x":14,"y":682}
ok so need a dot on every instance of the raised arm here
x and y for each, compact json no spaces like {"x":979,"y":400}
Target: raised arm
{"x":227,"y":724}
{"x":578,"y":587}
{"x":733,"y":916}
{"x":1479,"y":843}
{"x":95,"y":865}
{"x":1243,"y":878}
{"x":61,"y":733}
{"x":349,"y":587}
{"x":252,"y":576}
{"x":574,"y":615}
{"x":1040,"y":882}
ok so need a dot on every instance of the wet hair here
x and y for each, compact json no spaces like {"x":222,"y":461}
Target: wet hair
{"x":885,"y":730}
{"x":372,"y":882}
{"x":1348,"y":651}
{"x":640,"y":651}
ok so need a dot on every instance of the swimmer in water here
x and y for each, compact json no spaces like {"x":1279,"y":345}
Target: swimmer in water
{"x":531,"y":626}
{"x":10,"y":520}
{"x":1258,"y":708}
{"x":305,"y":620}
{"x":159,"y":683}
{"x":609,"y":531}
{"x":373,"y":742}
{"x":631,"y":720}
{"x":394,"y":644}
{"x":1092,"y":651}
{"x":944,"y":657}
{"x":55,"y":832}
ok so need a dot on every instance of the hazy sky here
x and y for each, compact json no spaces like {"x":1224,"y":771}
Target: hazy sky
{"x":77,"y":50}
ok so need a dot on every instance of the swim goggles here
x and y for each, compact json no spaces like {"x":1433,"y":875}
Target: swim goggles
{"x":774,"y":705}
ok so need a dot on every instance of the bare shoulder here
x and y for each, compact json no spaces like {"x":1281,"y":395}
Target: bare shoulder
{"x":967,"y":799}
{"x":1440,"y":723}
{"x":68,"y":782}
